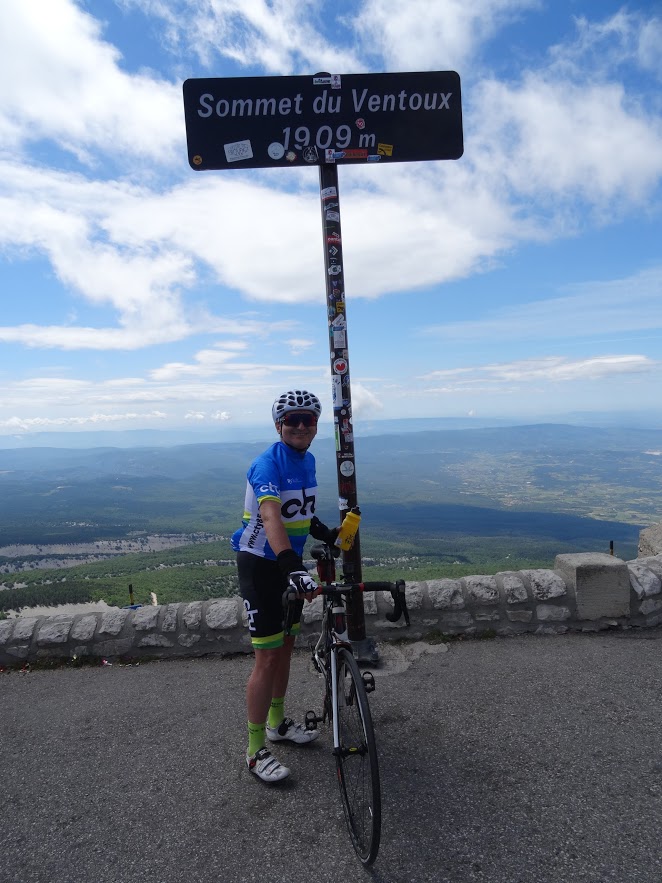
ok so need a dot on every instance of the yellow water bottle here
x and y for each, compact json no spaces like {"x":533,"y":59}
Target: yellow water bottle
{"x":348,"y":529}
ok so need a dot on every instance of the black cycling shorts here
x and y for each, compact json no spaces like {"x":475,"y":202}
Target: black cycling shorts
{"x":261,"y":585}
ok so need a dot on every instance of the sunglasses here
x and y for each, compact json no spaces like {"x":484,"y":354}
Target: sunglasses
{"x":294,"y":420}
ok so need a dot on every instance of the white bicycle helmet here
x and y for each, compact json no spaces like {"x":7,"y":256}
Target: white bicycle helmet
{"x":295,"y":400}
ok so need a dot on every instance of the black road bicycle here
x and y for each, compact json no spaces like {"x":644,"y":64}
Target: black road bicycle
{"x":345,"y":704}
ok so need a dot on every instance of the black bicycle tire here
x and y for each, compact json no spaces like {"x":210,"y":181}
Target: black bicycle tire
{"x":364,"y":769}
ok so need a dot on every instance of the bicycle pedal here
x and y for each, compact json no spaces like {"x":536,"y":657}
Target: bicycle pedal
{"x":368,"y":681}
{"x":311,"y":720}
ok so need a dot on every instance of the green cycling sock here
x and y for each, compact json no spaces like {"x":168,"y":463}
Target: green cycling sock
{"x":255,"y":737}
{"x":277,"y":712}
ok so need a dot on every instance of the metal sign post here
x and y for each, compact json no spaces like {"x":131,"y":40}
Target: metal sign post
{"x":342,"y":396}
{"x":327,"y":120}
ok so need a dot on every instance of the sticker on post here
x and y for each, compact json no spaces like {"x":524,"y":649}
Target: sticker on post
{"x":355,"y":153}
{"x":336,"y":390}
{"x":347,"y":468}
{"x":238,"y":150}
{"x":385,"y":149}
{"x":328,"y":192}
{"x":330,"y":155}
{"x":276,"y":150}
{"x":335,"y":81}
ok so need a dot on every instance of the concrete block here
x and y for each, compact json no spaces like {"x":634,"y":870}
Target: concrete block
{"x":169,"y":623}
{"x":545,"y":584}
{"x":457,"y":620}
{"x":519,"y":615}
{"x":650,"y":540}
{"x":146,"y":618}
{"x":222,"y":614}
{"x":644,"y":581}
{"x":155,"y":640}
{"x":513,"y":590}
{"x":84,"y":628}
{"x":6,"y":629}
{"x":482,"y":589}
{"x":112,"y":622}
{"x":552,"y":613}
{"x":54,"y":630}
{"x":599,"y":582}
{"x":446,"y":594}
{"x":24,"y":628}
{"x":370,"y":603}
{"x":414,"y":593}
{"x":193,"y":615}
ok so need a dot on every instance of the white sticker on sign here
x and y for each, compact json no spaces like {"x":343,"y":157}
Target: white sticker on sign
{"x":238,"y":150}
{"x":276,"y":150}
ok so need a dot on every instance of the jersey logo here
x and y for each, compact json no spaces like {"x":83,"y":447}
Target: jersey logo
{"x":304,"y":505}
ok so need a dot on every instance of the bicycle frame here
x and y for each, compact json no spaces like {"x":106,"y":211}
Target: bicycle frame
{"x":333,"y":636}
{"x":346,"y":703}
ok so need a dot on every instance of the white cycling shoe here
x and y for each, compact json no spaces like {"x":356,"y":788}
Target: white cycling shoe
{"x":265,"y":766}
{"x":291,"y":732}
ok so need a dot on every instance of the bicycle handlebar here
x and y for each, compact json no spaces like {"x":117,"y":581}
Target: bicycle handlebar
{"x":397,"y":590}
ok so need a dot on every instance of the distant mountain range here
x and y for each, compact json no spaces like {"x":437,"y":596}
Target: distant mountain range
{"x":229,"y":432}
{"x":558,"y":487}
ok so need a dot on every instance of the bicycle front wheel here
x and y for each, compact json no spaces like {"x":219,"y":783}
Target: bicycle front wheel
{"x":356,"y":760}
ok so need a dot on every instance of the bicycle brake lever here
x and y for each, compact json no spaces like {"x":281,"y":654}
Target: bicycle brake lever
{"x":399,"y":603}
{"x":288,"y":598}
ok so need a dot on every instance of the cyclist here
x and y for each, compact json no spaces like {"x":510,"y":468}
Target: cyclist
{"x":279,"y":514}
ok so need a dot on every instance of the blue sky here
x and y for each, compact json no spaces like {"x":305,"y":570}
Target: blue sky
{"x":523,"y":280}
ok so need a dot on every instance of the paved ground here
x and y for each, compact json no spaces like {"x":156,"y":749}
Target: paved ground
{"x":526,"y":760}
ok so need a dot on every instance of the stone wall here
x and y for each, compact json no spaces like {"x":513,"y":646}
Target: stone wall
{"x":650,"y":541}
{"x":583,"y":592}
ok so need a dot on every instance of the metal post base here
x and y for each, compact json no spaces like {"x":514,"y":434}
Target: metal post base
{"x":366,"y":651}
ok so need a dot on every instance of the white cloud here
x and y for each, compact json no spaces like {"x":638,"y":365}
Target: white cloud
{"x":170,"y":396}
{"x":590,"y":309}
{"x":601,"y":46}
{"x":432,"y":34}
{"x":556,"y":141}
{"x":25,"y":424}
{"x":60,"y":80}
{"x":364,"y":401}
{"x":282,"y":36}
{"x":555,"y":369}
{"x":298,"y":345}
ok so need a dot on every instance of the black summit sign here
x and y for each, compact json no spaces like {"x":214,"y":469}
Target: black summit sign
{"x":267,"y":122}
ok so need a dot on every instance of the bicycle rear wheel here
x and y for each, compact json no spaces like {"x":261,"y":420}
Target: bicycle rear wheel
{"x":356,"y":760}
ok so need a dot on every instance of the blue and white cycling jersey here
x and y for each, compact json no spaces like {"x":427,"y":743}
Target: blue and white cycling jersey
{"x":288,"y":477}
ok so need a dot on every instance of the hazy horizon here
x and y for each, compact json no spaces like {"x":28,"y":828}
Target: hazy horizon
{"x":263,"y":432}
